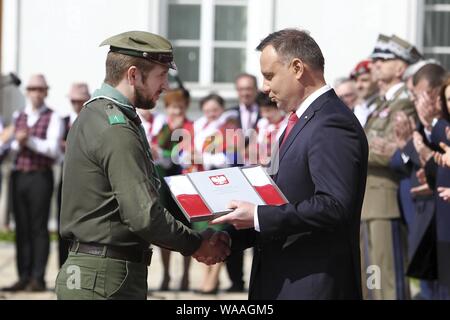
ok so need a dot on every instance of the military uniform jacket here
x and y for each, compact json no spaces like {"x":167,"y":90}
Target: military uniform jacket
{"x":380,"y":200}
{"x":110,"y":191}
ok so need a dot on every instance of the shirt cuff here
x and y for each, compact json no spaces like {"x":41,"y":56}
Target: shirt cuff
{"x":405,"y":158}
{"x":255,"y":219}
{"x":433,"y":123}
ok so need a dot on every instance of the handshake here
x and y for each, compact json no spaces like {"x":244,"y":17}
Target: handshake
{"x":215,"y":247}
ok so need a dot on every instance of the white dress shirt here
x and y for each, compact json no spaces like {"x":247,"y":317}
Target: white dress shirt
{"x":249,"y":116}
{"x":364,"y":109}
{"x":300,"y":111}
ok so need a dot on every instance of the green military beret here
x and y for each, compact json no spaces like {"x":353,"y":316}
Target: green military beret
{"x":143,"y":45}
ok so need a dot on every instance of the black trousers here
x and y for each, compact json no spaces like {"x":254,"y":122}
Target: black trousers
{"x":31,"y":195}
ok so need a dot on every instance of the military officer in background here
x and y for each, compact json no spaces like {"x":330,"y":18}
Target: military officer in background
{"x":382,"y":230}
{"x":110,"y":207}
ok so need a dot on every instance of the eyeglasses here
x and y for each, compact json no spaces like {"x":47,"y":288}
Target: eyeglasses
{"x":41,"y":89}
{"x":78,"y":101}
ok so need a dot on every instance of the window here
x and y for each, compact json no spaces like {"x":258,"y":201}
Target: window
{"x":184,"y":30}
{"x":209,"y":38}
{"x":436,"y":41}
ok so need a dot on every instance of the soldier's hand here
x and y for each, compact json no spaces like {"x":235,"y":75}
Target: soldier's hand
{"x":215,"y":247}
{"x":447,"y":132}
{"x":382,"y":147}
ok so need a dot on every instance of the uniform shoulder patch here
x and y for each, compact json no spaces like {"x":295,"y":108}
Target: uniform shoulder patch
{"x":115,"y":116}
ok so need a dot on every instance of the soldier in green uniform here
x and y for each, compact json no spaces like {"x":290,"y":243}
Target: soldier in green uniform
{"x":110,"y":207}
{"x":383,"y":235}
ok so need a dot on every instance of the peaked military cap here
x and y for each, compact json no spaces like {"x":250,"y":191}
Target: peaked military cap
{"x":395,"y":48}
{"x":142,"y":44}
{"x":380,"y":50}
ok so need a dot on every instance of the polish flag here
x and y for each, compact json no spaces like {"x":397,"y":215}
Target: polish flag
{"x":262,"y":184}
{"x":187,"y":196}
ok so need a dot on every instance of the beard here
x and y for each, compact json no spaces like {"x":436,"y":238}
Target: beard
{"x":142,"y":101}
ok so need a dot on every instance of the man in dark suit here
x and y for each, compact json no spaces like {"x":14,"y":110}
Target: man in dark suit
{"x":308,"y":248}
{"x":248,"y":109}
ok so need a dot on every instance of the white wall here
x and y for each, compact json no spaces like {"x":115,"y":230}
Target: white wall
{"x":61,"y":38}
{"x":346,"y":30}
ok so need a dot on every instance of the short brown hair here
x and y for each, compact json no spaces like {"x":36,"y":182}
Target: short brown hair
{"x":433,"y":73}
{"x":175,"y":95}
{"x":215,"y":97}
{"x":293,"y":43}
{"x":117,"y":64}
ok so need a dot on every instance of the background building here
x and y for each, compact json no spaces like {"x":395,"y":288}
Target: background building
{"x":214,"y":39}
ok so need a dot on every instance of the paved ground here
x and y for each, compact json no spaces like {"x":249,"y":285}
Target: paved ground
{"x":8,"y":275}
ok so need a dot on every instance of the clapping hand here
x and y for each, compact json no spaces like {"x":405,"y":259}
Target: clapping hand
{"x":22,"y":136}
{"x":215,"y":247}
{"x":443,"y":159}
{"x":427,"y":109}
{"x":444,"y":193}
{"x":383,"y":147}
{"x":423,"y":151}
{"x":404,"y":128}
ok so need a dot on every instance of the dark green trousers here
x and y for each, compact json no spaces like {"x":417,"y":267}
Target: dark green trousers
{"x":88,"y":277}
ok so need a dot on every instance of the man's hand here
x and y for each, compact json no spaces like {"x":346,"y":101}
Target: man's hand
{"x":215,"y":247}
{"x":7,"y":134}
{"x":22,"y":136}
{"x":447,"y":131}
{"x":444,"y":193}
{"x":383,"y":147}
{"x":241,"y":217}
{"x":427,"y":109}
{"x":443,"y":159}
{"x":422,"y":190}
{"x":421,"y":176}
{"x":424,"y":152}
{"x":403,"y":128}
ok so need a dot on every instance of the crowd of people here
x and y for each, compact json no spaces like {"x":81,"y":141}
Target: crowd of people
{"x":400,"y":99}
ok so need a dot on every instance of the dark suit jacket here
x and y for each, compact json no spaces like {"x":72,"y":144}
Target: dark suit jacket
{"x":239,"y":117}
{"x":442,"y":209}
{"x":422,"y":261}
{"x":309,"y":248}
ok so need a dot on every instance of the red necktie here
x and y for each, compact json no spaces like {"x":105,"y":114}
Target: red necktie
{"x":291,"y":123}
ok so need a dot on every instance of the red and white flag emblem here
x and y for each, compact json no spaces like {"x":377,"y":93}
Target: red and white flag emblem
{"x":219,"y":180}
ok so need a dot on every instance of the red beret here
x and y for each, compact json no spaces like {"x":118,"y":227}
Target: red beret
{"x":361,"y":68}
